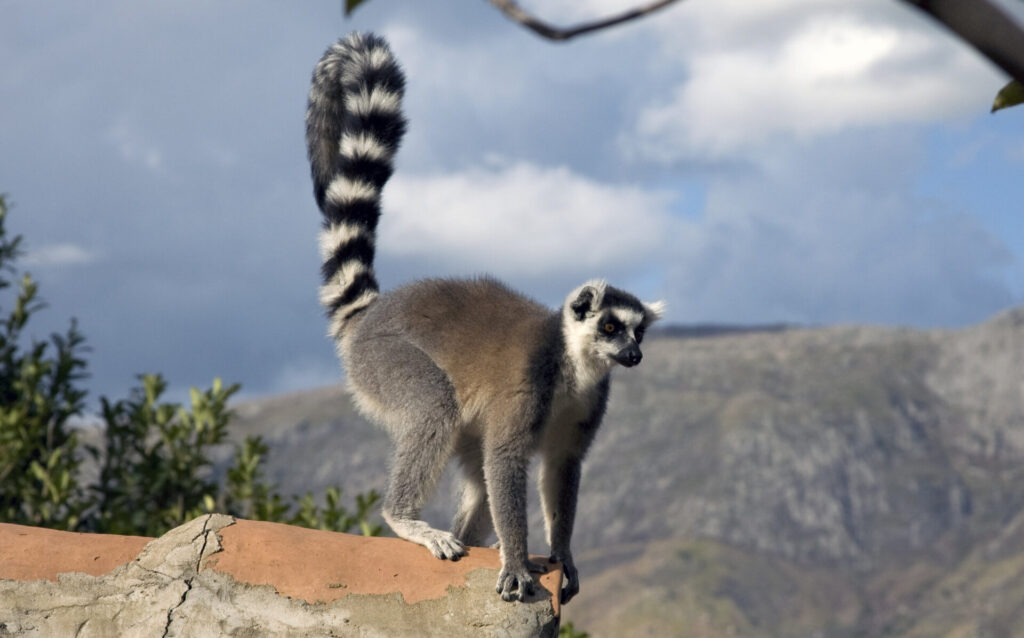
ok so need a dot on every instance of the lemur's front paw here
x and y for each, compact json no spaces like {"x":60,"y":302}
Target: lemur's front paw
{"x":572,"y":577}
{"x":444,"y":545}
{"x":515,"y":582}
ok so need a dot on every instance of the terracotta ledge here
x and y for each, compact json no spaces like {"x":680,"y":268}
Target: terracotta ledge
{"x":290,"y":559}
{"x":219,"y":576}
{"x":34,"y":553}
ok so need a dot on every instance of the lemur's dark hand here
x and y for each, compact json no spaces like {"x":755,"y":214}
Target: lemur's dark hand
{"x":572,"y":577}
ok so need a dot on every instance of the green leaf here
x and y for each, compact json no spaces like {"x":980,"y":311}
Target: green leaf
{"x":1010,"y":95}
{"x":350,"y":6}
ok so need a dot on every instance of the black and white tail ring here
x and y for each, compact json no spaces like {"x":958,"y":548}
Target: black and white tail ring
{"x":354,"y":125}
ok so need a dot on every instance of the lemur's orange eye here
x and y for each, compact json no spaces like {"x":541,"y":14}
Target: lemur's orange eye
{"x":609,"y":328}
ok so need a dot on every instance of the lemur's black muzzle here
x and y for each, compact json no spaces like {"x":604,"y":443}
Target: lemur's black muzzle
{"x":629,"y":356}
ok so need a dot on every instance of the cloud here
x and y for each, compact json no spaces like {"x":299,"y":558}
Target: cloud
{"x":831,"y":73}
{"x":58,"y":255}
{"x":824,"y":231}
{"x":525,"y":219}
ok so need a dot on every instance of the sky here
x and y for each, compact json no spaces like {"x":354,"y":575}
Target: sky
{"x":803,"y":161}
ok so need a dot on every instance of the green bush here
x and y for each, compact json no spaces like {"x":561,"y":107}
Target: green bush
{"x":567,"y":630}
{"x":38,"y":394}
{"x":249,"y":497}
{"x":154,"y":468}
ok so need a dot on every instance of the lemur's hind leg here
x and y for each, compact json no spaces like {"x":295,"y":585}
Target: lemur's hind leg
{"x":416,"y":465}
{"x":472,"y":523}
{"x":415,"y":402}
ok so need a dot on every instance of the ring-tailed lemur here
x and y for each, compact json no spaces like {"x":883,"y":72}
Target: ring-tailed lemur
{"x":455,"y":367}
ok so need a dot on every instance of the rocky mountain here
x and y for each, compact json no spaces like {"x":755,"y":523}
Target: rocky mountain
{"x":833,"y":481}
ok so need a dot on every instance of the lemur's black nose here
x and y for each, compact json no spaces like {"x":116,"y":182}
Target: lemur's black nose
{"x":629,"y":356}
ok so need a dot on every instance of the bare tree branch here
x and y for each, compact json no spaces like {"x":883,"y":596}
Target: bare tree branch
{"x":984,"y":26}
{"x":980,"y":23}
{"x":546,"y":30}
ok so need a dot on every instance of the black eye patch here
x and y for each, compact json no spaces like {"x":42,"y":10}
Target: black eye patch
{"x":639,"y":333}
{"x":609,"y":326}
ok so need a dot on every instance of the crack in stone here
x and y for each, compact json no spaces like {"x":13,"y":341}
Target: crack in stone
{"x":206,"y":539}
{"x":138,"y":565}
{"x":170,"y":612}
{"x":188,"y":581}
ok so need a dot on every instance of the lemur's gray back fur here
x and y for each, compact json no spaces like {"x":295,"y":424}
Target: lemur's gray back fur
{"x":354,"y":125}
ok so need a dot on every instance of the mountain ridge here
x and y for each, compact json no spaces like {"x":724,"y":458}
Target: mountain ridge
{"x":869,"y":452}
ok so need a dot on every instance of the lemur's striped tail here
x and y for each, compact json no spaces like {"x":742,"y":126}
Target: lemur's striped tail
{"x":354,"y":125}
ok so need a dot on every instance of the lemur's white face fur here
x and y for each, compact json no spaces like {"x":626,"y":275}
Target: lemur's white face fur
{"x":603,"y":326}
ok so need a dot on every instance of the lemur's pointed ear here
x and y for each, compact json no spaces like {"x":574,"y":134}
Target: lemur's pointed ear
{"x":654,"y":310}
{"x":584,"y":302}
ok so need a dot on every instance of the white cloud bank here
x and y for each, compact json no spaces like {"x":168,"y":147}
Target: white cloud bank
{"x":816,"y":236}
{"x":827,"y":73}
{"x":528,"y":219}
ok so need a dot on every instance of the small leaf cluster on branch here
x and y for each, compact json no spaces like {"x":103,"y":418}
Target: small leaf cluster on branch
{"x":153,"y":457}
{"x":1010,"y":95}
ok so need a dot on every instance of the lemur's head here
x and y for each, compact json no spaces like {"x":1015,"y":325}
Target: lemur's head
{"x":604,"y":325}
